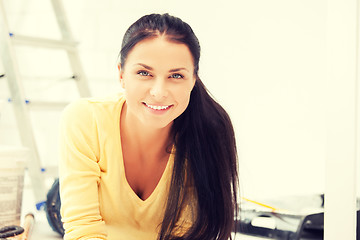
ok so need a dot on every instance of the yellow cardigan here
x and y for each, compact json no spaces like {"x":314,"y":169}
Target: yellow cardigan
{"x":96,"y":200}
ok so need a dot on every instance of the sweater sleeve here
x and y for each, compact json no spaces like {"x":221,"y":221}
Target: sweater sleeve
{"x":79,"y":173}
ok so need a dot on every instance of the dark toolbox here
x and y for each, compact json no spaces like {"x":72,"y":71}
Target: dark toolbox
{"x":292,"y":218}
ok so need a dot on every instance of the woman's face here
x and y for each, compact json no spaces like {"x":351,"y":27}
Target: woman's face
{"x":158,"y":77}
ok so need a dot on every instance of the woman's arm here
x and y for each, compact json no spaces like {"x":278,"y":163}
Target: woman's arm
{"x":80,"y":173}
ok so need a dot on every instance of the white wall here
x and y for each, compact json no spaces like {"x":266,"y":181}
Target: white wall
{"x":265,"y":61}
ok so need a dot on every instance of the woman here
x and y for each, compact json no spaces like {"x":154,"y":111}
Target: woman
{"x":157,"y":162}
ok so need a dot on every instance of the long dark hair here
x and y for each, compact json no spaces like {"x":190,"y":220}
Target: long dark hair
{"x":205,"y":145}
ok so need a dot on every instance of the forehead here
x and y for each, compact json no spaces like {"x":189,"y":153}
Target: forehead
{"x":160,"y":52}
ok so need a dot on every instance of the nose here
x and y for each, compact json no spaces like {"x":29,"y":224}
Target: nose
{"x":158,"y":90}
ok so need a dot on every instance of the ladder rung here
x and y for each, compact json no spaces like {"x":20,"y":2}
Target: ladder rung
{"x":43,"y":42}
{"x":46,"y":105}
{"x":50,"y":171}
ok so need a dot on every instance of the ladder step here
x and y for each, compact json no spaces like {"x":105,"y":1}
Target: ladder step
{"x":43,"y":42}
{"x":46,"y":105}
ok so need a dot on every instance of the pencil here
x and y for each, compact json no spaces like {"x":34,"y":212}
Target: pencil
{"x":28,"y":226}
{"x":260,"y":204}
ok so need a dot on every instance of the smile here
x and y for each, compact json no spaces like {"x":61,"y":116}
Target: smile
{"x":157,"y":107}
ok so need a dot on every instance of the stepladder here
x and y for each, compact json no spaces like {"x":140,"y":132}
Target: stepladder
{"x":20,"y":103}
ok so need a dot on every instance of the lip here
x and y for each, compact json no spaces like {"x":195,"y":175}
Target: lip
{"x":157,"y":108}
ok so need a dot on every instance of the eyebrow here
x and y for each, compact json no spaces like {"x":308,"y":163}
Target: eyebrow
{"x":172,"y":70}
{"x":145,"y":66}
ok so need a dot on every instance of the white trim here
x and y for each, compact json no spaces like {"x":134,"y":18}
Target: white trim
{"x":340,"y":189}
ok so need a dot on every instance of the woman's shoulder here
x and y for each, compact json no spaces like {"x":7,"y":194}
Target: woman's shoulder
{"x":86,"y":108}
{"x":108,"y":99}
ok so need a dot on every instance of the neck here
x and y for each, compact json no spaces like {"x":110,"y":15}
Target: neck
{"x":148,"y":143}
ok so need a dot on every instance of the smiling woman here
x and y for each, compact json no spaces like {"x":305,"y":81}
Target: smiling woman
{"x":157,"y":161}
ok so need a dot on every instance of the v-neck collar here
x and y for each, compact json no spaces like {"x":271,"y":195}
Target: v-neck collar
{"x":161,"y":185}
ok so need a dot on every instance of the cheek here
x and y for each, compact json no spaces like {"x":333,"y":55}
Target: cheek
{"x":183,"y":96}
{"x":132,"y":93}
{"x":132,"y":86}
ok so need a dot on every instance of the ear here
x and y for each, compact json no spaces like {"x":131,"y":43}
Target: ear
{"x":121,"y":73}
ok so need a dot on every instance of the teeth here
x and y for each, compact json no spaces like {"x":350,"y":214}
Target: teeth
{"x":157,"y":107}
